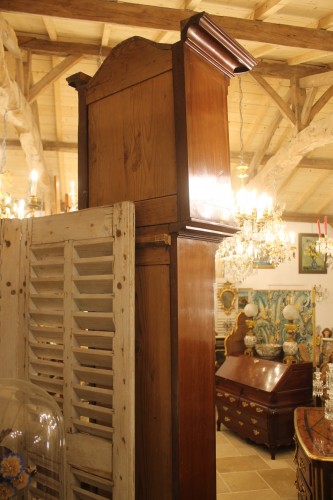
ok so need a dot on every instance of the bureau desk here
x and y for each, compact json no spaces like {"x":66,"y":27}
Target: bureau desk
{"x":256,"y":398}
{"x":314,"y":454}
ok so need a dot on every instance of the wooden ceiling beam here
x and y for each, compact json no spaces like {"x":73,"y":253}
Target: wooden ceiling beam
{"x":302,"y":217}
{"x":163,"y":18}
{"x":310,"y":163}
{"x":283,"y":70}
{"x":283,"y":107}
{"x":310,"y":75}
{"x":41,"y":46}
{"x":322,"y":101}
{"x":301,"y":200}
{"x":64,"y":147}
{"x":316,"y":80}
{"x":269,"y":8}
{"x":287,"y":158}
{"x":52,"y":76}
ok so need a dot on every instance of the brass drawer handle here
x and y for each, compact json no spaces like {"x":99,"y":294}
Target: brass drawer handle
{"x":226,"y":419}
{"x":254,"y":420}
{"x":238,"y":412}
{"x":225,"y":408}
{"x":240,"y":423}
{"x":255,"y":432}
{"x":219,"y":395}
{"x":245,"y":404}
{"x":252,"y":405}
{"x":226,"y":394}
{"x":232,"y":400}
{"x":259,"y":410}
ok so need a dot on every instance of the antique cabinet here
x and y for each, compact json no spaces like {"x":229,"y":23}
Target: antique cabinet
{"x":153,"y":129}
{"x":314,"y":454}
{"x":256,"y":398}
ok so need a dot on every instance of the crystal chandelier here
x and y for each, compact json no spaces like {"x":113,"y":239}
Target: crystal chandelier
{"x":324,"y":244}
{"x":262,"y":235}
{"x":19,"y":209}
{"x":11,"y":208}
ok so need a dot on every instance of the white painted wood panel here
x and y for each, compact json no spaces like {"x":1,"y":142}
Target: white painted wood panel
{"x":75,"y":317}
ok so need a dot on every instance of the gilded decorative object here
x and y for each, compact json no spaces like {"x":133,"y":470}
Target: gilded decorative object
{"x":290,"y":347}
{"x":227,"y":296}
{"x":250,"y":339}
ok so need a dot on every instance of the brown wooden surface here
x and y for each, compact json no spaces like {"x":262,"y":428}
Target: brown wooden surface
{"x":153,"y":424}
{"x":156,"y":211}
{"x":154,"y":130}
{"x":134,"y":154}
{"x":265,"y":375}
{"x":314,"y":454}
{"x":130,"y":63}
{"x":315,"y":433}
{"x":202,"y":92}
{"x":193,"y":368}
{"x":256,"y":398}
{"x":79,"y":81}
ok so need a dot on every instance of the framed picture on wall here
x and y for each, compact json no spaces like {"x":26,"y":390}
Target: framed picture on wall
{"x":309,"y":260}
{"x":263,"y":264}
{"x":243,"y":297}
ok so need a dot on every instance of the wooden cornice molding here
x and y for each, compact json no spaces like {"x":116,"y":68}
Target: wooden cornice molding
{"x":211,"y":43}
{"x":162,"y":18}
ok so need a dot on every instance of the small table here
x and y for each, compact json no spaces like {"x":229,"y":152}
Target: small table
{"x":314,"y":454}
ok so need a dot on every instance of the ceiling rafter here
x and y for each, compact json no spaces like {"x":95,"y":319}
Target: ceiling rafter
{"x":299,"y":201}
{"x":269,"y":38}
{"x":42,"y":46}
{"x":289,"y":155}
{"x":20,"y":113}
{"x":269,"y":8}
{"x":308,"y":163}
{"x":52,"y":76}
{"x":164,"y":18}
{"x":284,"y":108}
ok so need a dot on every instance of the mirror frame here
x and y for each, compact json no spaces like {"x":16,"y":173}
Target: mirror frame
{"x":225,"y":291}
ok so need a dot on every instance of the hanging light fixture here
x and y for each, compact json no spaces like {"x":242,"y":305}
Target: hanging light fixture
{"x":10,"y":208}
{"x":262,"y":235}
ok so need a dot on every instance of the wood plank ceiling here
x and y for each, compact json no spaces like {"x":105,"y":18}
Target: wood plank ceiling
{"x":284,"y":106}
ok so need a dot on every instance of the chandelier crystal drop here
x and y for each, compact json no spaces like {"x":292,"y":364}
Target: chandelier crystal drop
{"x":33,"y":205}
{"x":262,"y":235}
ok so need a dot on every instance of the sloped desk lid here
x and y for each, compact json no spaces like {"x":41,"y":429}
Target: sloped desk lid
{"x":258,"y":373}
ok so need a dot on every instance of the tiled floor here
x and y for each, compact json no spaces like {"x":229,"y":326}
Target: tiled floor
{"x":244,"y":469}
